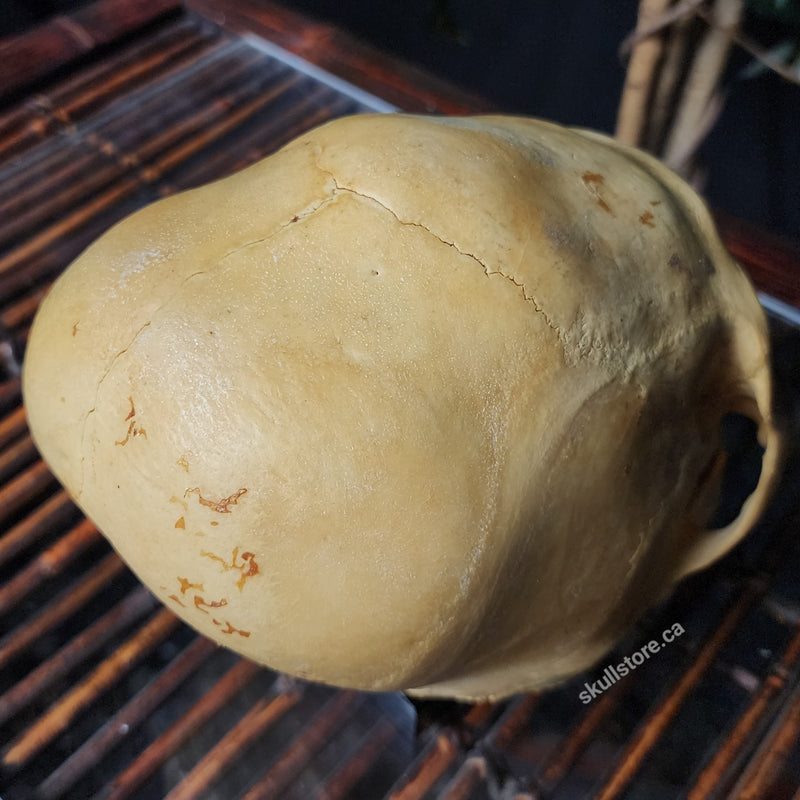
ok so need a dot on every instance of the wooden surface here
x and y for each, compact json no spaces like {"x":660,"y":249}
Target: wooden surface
{"x":773,"y":262}
{"x":340,"y":53}
{"x":33,"y":55}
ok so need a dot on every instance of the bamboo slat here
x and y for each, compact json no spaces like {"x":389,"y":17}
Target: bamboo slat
{"x":30,"y":56}
{"x":66,"y":603}
{"x":80,"y":648}
{"x":140,"y":770}
{"x":58,"y":718}
{"x":330,"y":718}
{"x":90,"y":754}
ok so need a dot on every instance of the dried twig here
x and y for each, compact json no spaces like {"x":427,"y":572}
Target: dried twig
{"x":672,"y":96}
{"x":682,"y":10}
{"x":673,"y":69}
{"x":702,"y":81}
{"x":686,"y":149}
{"x":639,"y":78}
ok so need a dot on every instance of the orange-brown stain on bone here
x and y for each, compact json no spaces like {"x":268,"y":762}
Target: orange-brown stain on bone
{"x":220,"y":506}
{"x":183,"y":463}
{"x":133,"y":427}
{"x":230,"y":629}
{"x":594,"y":181}
{"x":186,"y":585}
{"x":202,"y":604}
{"x":647,"y":219}
{"x":181,"y":523}
{"x":245,"y":565}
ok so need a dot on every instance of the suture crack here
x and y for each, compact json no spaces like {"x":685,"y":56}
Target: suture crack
{"x":111,"y":364}
{"x":339,"y":188}
{"x":298,"y":217}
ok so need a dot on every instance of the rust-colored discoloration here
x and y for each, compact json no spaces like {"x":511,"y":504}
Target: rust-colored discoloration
{"x":245,"y":565}
{"x":130,"y":433}
{"x":178,"y":500}
{"x":605,"y":206}
{"x":655,"y":202}
{"x":230,"y":629}
{"x":220,"y":506}
{"x":214,"y":523}
{"x":199,"y":602}
{"x":133,"y":427}
{"x":181,"y":523}
{"x":75,"y":329}
{"x":202,"y":604}
{"x":593,"y":181}
{"x":186,"y":585}
{"x":647,"y":219}
{"x":183,"y":463}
